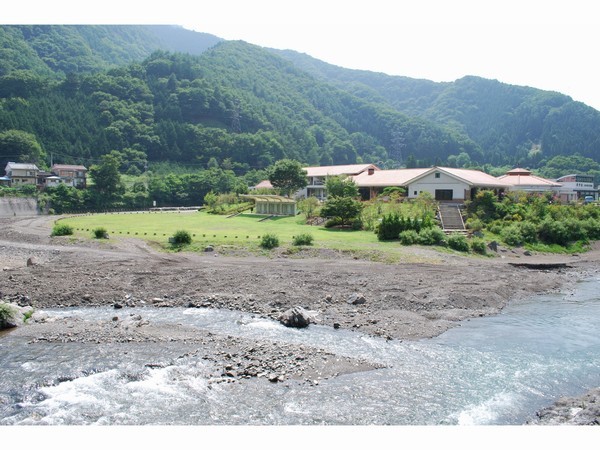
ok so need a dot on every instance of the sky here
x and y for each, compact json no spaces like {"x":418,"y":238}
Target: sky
{"x":550,"y":45}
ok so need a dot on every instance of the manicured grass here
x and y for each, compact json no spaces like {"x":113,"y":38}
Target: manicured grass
{"x":244,"y":230}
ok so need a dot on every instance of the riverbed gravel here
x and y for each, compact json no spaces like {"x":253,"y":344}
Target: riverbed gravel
{"x":419,"y":297}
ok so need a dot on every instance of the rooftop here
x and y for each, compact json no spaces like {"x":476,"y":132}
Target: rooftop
{"x":350,"y":169}
{"x":523,"y":177}
{"x":67,"y":167}
{"x":21,"y":166}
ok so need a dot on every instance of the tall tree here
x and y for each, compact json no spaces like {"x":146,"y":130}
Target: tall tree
{"x":338,"y":186}
{"x":108,"y":185}
{"x":17,"y":145}
{"x":288,"y":176}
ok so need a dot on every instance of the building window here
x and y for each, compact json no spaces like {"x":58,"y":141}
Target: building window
{"x":437,"y":174}
{"x":415,"y":193}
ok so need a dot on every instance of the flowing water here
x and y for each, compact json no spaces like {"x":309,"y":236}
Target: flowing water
{"x":490,"y":370}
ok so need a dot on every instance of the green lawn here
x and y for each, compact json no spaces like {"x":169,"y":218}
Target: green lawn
{"x":242,"y":231}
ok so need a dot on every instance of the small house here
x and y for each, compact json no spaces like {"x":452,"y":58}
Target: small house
{"x":22,"y":174}
{"x":72,"y":175}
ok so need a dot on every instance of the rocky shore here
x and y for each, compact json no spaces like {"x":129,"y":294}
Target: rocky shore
{"x":420,"y":297}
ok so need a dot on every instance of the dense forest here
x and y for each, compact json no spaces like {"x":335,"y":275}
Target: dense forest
{"x":513,"y":125}
{"x":167,"y":97}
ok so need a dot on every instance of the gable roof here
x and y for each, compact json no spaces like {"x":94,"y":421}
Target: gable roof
{"x":264,"y":184}
{"x":349,"y":169}
{"x":21,"y":166}
{"x":404,"y":177}
{"x":384,"y":178}
{"x":522,"y":177}
{"x":473,"y":177}
{"x":67,"y":167}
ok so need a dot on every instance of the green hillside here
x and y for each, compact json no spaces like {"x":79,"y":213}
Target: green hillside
{"x":54,"y":50}
{"x":74,"y":93}
{"x":514,"y":125}
{"x":235,"y":104}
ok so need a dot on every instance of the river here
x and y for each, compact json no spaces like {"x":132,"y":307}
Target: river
{"x":496,"y":370}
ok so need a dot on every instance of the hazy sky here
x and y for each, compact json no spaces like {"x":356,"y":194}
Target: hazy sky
{"x":551,"y":45}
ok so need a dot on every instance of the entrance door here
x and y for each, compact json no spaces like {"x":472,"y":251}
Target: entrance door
{"x":443,"y":194}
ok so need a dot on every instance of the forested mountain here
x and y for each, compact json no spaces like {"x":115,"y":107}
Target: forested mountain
{"x":167,"y":94}
{"x":512,"y":124}
{"x":235,"y":104}
{"x":55,"y":50}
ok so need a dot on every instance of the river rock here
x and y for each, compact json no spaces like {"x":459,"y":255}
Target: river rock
{"x":357,"y":299}
{"x":10,"y":316}
{"x":296,"y":317}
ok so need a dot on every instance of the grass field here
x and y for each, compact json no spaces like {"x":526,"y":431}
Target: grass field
{"x":242,"y":231}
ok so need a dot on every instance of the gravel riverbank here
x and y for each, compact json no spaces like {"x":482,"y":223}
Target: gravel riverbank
{"x":406,"y":300}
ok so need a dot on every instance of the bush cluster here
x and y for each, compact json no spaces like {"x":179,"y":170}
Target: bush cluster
{"x":393,"y":224}
{"x":522,"y":218}
{"x":182,"y":237}
{"x":62,"y":229}
{"x":269,"y":241}
{"x":100,"y":233}
{"x":458,"y":242}
{"x":303,"y":239}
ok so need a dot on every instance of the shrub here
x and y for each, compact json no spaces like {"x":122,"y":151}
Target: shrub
{"x":474,"y":224}
{"x":182,"y":237}
{"x":100,"y":233}
{"x":334,"y":222}
{"x":478,"y":246}
{"x":389,"y":227}
{"x":495,"y":227}
{"x":409,"y":237}
{"x":458,"y":242}
{"x":62,"y":229}
{"x":512,"y":236}
{"x":553,"y":232}
{"x":269,"y":241}
{"x":303,"y":239}
{"x":591,"y":228}
{"x":357,"y":224}
{"x":432,"y":236}
{"x":528,"y":231}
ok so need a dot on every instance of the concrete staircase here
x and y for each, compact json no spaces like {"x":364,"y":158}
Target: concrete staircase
{"x":451,"y":218}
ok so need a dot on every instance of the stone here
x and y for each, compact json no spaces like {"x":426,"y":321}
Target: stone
{"x":336,"y":325}
{"x":357,"y":299}
{"x":13,"y":318}
{"x":117,"y":306}
{"x":296,"y":317}
{"x":273,"y":378}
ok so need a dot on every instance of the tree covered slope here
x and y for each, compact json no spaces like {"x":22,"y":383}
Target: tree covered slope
{"x":512,"y":124}
{"x":191,"y":98}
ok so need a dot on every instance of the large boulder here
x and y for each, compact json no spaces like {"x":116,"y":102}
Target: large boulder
{"x":10,"y":316}
{"x":296,"y":317}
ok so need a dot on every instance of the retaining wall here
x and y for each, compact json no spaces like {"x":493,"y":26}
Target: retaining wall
{"x":18,"y":206}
